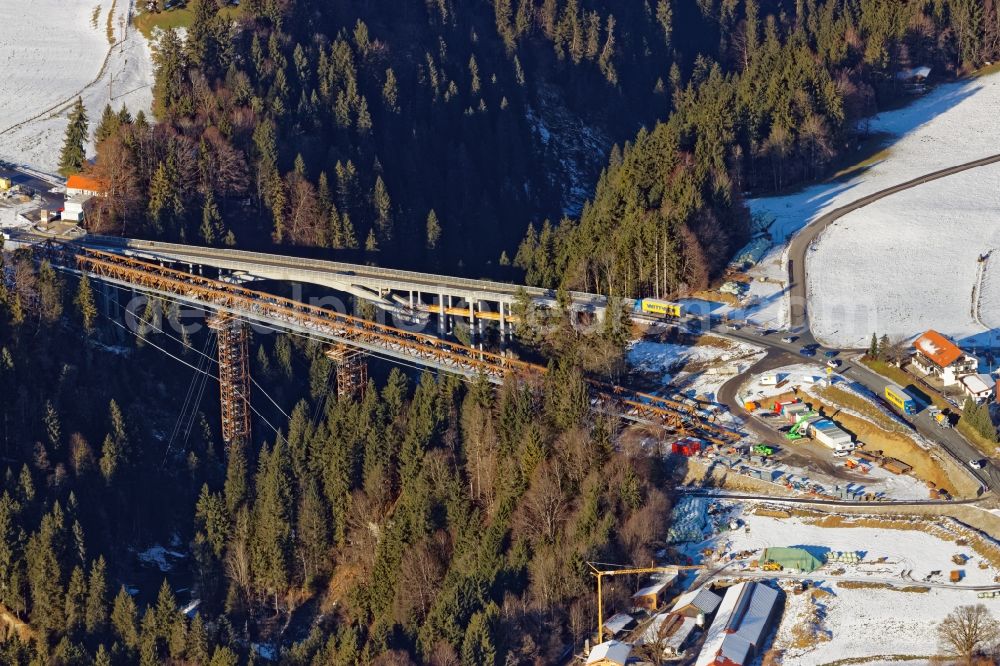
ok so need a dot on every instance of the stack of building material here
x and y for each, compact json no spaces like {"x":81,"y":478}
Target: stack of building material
{"x":843,"y":557}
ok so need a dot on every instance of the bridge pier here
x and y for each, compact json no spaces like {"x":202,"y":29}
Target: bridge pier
{"x":352,"y":370}
{"x":234,"y":377}
{"x":442,"y":317}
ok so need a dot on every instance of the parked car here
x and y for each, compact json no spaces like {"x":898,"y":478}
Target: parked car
{"x":806,"y":351}
{"x":789,"y":339}
{"x":733,"y":327}
{"x":831,"y":353}
{"x":834,"y":363}
{"x":977,"y":463}
{"x":841,"y":454}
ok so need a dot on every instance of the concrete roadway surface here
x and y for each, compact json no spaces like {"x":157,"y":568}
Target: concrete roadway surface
{"x":949,"y":439}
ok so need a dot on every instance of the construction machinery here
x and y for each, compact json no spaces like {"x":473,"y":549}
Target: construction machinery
{"x":762,"y":450}
{"x":627,"y":571}
{"x":796,"y":430}
{"x":771,"y":565}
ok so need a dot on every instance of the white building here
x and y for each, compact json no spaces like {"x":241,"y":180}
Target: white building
{"x":979,"y":387}
{"x":939,"y":357}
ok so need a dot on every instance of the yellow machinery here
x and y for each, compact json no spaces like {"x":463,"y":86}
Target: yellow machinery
{"x":625,"y":571}
{"x":771,"y":565}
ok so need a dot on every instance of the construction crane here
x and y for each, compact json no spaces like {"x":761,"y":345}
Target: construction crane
{"x":625,"y":571}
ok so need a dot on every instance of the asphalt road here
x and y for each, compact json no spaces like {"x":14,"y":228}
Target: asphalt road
{"x":784,"y":353}
{"x":798,"y":315}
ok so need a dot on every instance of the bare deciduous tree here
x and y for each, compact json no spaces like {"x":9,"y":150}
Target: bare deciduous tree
{"x":967,"y":631}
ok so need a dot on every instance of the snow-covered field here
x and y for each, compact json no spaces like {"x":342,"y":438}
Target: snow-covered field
{"x":905,"y":621}
{"x":911,"y":262}
{"x":949,"y":126}
{"x":51,"y":53}
{"x":694,"y":370}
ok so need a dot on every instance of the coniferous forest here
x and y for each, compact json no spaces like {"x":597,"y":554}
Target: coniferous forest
{"x":593,"y":144}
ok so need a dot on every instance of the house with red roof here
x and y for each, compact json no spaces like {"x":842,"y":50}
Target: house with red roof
{"x":79,"y":185}
{"x":937,"y":356}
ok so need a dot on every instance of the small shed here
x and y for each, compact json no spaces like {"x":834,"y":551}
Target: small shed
{"x":618,"y":623}
{"x":696,"y":602}
{"x":651,"y":596}
{"x":792,"y":558}
{"x":609,"y":653}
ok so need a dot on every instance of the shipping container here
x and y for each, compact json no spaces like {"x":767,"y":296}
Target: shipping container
{"x":899,"y":398}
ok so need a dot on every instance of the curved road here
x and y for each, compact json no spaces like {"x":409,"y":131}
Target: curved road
{"x":799,"y":245}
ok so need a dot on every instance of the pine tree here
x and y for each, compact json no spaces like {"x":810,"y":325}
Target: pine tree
{"x":73,"y":156}
{"x":371,"y":245}
{"x":273,"y":520}
{"x":211,"y":228}
{"x":76,"y":601}
{"x":433,"y":230}
{"x":109,"y":124}
{"x":123,"y":619}
{"x":97,"y":602}
{"x":198,"y":647}
{"x":85,"y":305}
{"x":383,"y":210}
{"x":102,"y":657}
{"x":313,"y":534}
{"x":390,"y":91}
{"x":479,"y":646}
{"x":235,"y":489}
{"x":873,"y":348}
{"x":883,"y":347}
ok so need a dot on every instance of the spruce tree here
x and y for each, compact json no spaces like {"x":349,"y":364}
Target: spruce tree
{"x":123,"y":619}
{"x":433,"y":230}
{"x":873,"y":347}
{"x":97,"y":597}
{"x":85,"y":305}
{"x":73,"y":155}
{"x":211,"y":229}
{"x":108,"y":125}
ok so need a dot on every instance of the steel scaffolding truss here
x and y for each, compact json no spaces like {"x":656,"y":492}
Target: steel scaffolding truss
{"x":354,"y":338}
{"x":234,"y":377}
{"x":352,"y":370}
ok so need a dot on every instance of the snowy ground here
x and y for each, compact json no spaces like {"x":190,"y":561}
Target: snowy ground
{"x":909,"y":263}
{"x":51,"y":54}
{"x":949,"y":126}
{"x":906,"y":621}
{"x":694,"y":370}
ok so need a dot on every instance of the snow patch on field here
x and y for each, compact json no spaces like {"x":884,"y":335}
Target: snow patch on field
{"x":51,"y":54}
{"x":905,"y":622}
{"x":947,"y":127}
{"x":909,"y":263}
{"x":694,"y":370}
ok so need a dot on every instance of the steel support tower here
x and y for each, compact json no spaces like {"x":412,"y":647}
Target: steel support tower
{"x":352,"y":370}
{"x":234,"y":377}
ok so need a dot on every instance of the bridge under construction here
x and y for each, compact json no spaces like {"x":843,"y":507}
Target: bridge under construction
{"x":350,"y":339}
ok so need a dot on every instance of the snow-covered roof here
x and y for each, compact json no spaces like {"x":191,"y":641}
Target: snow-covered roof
{"x":614,"y":652}
{"x":740,"y":625}
{"x":703,"y":599}
{"x":979,"y":384}
{"x":618,"y":622}
{"x":670,"y":629}
{"x":939,"y":349}
{"x":655,"y":587}
{"x":914,"y":73}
